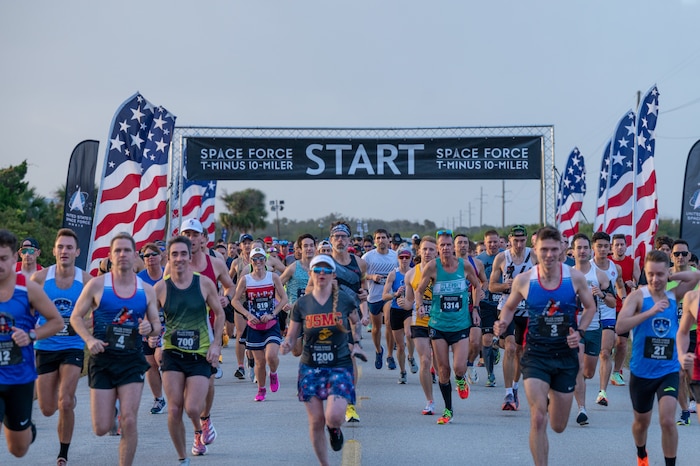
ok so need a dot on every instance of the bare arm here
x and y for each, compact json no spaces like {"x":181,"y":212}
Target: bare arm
{"x":387,"y":293}
{"x":288,"y":273}
{"x":631,"y":316}
{"x":690,"y":307}
{"x":211,"y":296}
{"x":517,"y":293}
{"x":429,"y":273}
{"x":495,"y":284}
{"x":87,"y":302}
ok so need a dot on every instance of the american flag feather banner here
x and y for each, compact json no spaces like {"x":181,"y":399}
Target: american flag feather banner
{"x":618,"y":206}
{"x":133,"y":190}
{"x":572,"y":187}
{"x":599,"y":222}
{"x":646,"y":210}
{"x":198,"y":201}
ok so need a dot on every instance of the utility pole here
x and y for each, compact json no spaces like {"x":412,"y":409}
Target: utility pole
{"x":276,"y":206}
{"x":481,"y":207}
{"x":503,"y":203}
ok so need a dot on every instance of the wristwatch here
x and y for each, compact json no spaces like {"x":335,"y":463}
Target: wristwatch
{"x":582,"y":333}
{"x":32,"y":335}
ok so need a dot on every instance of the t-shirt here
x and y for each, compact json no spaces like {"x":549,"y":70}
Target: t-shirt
{"x":325,"y":345}
{"x":379,"y":264}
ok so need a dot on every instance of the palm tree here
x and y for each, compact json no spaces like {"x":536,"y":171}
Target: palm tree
{"x":245,"y":211}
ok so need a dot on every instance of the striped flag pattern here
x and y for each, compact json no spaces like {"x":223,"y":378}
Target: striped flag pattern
{"x":572,"y":188}
{"x":646,"y":210}
{"x":133,"y":190}
{"x":599,"y":222}
{"x":198,"y":201}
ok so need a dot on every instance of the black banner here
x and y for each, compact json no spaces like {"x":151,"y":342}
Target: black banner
{"x":690,"y":209}
{"x":482,"y":158}
{"x":79,"y":205}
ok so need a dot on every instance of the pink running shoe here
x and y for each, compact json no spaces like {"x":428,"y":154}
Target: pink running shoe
{"x":274,"y":382}
{"x":261,"y":394}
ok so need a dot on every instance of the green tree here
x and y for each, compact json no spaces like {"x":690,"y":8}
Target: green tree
{"x":245,"y":211}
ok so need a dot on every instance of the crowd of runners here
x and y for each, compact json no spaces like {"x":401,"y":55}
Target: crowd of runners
{"x":550,"y":314}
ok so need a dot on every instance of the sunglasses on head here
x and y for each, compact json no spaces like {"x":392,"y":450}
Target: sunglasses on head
{"x":27,"y":250}
{"x":149,"y":254}
{"x":680,"y":253}
{"x":258,"y":259}
{"x":326,"y":270}
{"x":443,"y":233}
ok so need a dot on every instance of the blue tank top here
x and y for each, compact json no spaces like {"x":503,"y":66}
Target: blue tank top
{"x":64,"y":300}
{"x":450,"y":306}
{"x":654,"y":340}
{"x":398,"y":283}
{"x":297,"y":283}
{"x":551,"y":314}
{"x":116,"y":318}
{"x":16,"y":364}
{"x":143,"y":275}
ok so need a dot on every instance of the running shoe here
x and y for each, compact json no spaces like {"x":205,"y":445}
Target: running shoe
{"x":208,"y":431}
{"x":116,"y":430}
{"x":378,"y":359}
{"x":414,"y":366}
{"x":446,"y":417}
{"x":391,"y":363}
{"x":184,"y":462}
{"x":61,"y":462}
{"x":240,"y":373}
{"x":509,"y":403}
{"x":692,"y":406}
{"x":219,"y":373}
{"x":491,"y":382}
{"x":274,"y":382}
{"x":684,"y":419}
{"x":616,"y":379}
{"x":516,"y":399}
{"x":159,"y":406}
{"x":433,"y":375}
{"x":602,"y":398}
{"x":496,"y":356}
{"x":351,"y":414}
{"x":480,"y":363}
{"x":403,"y":379}
{"x":643,"y":461}
{"x":336,"y":438}
{"x":225,"y":341}
{"x":429,"y":409}
{"x":251,"y":370}
{"x":582,"y":417}
{"x":472,"y":376}
{"x":198,"y":446}
{"x":462,"y":388}
{"x":261,"y":394}
{"x":221,"y":359}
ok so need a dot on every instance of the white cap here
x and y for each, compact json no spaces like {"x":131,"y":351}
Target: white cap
{"x":257,"y":252}
{"x":192,"y":224}
{"x":323,"y":259}
{"x":415,"y":236}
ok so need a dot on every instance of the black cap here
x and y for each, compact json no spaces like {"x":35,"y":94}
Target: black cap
{"x":518,"y":230}
{"x":32,"y":242}
{"x":396,"y":239}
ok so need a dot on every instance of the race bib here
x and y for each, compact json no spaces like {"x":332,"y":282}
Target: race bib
{"x":660,"y":349}
{"x":122,"y":337}
{"x":450,"y":303}
{"x":323,"y":354}
{"x":67,"y":330}
{"x":555,"y":326}
{"x":301,"y":292}
{"x":427,"y":304}
{"x":10,"y":353}
{"x":185,"y":339}
{"x":262,"y":306}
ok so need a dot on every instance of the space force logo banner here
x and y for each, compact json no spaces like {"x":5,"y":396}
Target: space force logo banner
{"x":483,"y":158}
{"x":79,"y":204}
{"x":690,"y":209}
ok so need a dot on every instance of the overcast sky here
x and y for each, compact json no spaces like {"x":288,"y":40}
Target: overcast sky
{"x":68,"y":65}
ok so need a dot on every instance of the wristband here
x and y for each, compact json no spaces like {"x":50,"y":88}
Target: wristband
{"x":582,"y":333}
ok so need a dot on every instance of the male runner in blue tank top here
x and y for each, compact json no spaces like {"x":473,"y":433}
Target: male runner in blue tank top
{"x":550,"y":360}
{"x":19,"y":298}
{"x":59,"y":359}
{"x":650,"y":313}
{"x":124,"y":309}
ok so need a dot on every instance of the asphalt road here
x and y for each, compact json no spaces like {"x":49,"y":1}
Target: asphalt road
{"x":392,"y":429}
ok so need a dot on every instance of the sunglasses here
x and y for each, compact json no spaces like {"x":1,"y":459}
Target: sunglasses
{"x":680,"y":253}
{"x":340,"y":236}
{"x":150,"y":254}
{"x":27,"y":250}
{"x":405,"y":257}
{"x":326,"y":270}
{"x":443,"y":233}
{"x":258,"y":259}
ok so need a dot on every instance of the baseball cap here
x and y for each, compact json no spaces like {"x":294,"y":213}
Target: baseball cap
{"x":324,"y":243}
{"x":268,"y":239}
{"x":396,"y":239}
{"x":518,"y":230}
{"x":273,"y":249}
{"x":191,"y":224}
{"x":351,"y":250}
{"x":323,"y":259}
{"x":257,"y":252}
{"x":32,"y":242}
{"x":245,"y":237}
{"x":404,"y":252}
{"x":415,"y":237}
